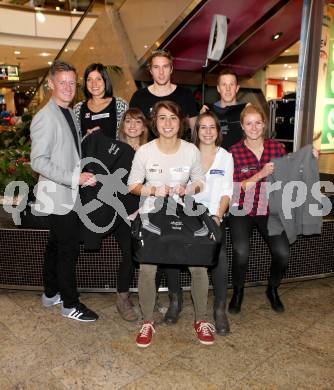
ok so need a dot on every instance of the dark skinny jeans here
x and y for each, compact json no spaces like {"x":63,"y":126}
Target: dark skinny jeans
{"x":241,"y":230}
{"x":122,"y":234}
{"x":219,"y":272}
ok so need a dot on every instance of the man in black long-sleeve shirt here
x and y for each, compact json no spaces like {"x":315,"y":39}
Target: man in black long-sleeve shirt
{"x":227,"y":109}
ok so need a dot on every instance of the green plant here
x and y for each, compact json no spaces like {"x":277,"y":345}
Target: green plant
{"x":15,"y":154}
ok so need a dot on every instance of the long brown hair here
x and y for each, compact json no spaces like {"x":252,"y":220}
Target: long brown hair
{"x":134,"y":113}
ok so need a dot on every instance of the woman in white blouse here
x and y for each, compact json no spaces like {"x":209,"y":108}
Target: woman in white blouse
{"x":217,"y":164}
{"x":164,"y":167}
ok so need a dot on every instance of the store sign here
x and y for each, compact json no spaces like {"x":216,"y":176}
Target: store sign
{"x":324,"y":112}
{"x":9,"y":72}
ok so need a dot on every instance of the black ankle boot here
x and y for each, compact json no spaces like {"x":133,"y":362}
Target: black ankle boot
{"x":274,"y":299}
{"x":175,"y":307}
{"x":236,"y":300}
{"x":220,"y":317}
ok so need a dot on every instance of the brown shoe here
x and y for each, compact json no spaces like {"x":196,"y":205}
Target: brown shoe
{"x":125,"y":307}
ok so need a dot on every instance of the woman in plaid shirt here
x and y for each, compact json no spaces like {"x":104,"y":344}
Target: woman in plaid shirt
{"x":252,"y":165}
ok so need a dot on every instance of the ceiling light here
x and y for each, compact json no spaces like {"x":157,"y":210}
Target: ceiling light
{"x":285,"y":78}
{"x":276,"y":36}
{"x":91,"y":47}
{"x":286,"y":51}
{"x":145,"y":46}
{"x":74,"y":10}
{"x":17,"y":52}
{"x":57,"y":8}
{"x":289,"y":66}
{"x":44,"y":54}
{"x":285,"y":65}
{"x":50,"y":63}
{"x":66,"y":50}
{"x":40,"y":17}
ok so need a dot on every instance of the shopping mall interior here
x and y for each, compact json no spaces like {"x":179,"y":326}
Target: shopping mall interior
{"x":282,"y":51}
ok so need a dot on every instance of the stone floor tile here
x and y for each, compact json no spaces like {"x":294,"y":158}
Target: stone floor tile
{"x":172,"y":376}
{"x":28,"y":327}
{"x":320,"y":336}
{"x":21,"y":361}
{"x":104,"y":369}
{"x":4,"y":331}
{"x":88,"y":337}
{"x":264,"y":350}
{"x":46,"y":381}
{"x":290,"y":368}
{"x":5,"y":383}
{"x":7,"y":306}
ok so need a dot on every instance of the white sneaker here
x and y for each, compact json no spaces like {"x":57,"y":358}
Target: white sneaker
{"x":48,"y":302}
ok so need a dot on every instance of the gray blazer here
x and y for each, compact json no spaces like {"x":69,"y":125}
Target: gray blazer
{"x":55,"y":158}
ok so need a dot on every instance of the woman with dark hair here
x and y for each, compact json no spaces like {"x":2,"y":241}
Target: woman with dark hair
{"x":133,"y":129}
{"x":164,"y":167}
{"x":217,"y":164}
{"x":101,"y":110}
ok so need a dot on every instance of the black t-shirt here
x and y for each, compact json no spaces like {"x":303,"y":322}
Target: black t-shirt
{"x":230,"y":126}
{"x":70,"y":122}
{"x":105,"y":119}
{"x":145,"y":100}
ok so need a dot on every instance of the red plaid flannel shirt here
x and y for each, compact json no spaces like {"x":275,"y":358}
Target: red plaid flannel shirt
{"x":246,"y":165}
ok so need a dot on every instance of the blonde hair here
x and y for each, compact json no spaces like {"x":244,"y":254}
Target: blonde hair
{"x":251,"y":109}
{"x":134,"y":113}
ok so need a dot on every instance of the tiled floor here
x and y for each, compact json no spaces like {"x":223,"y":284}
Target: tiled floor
{"x":41,"y":350}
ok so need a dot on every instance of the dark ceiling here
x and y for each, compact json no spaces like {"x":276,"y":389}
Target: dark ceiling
{"x":249,"y":45}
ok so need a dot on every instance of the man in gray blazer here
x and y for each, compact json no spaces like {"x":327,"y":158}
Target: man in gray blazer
{"x":55,"y":156}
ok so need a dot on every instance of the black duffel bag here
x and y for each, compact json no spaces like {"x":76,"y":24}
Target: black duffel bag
{"x":172,"y":234}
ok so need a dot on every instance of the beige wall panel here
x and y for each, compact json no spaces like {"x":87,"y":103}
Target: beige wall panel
{"x":107,"y":43}
{"x":16,"y":22}
{"x":145,"y":21}
{"x":85,"y":26}
{"x":55,"y":26}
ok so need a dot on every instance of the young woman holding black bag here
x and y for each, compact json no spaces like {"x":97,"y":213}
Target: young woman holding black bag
{"x":160,"y":168}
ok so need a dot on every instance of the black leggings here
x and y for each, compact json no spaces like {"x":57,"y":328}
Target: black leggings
{"x":122,"y":234}
{"x":219,"y":272}
{"x":172,"y":276}
{"x":241,"y":229}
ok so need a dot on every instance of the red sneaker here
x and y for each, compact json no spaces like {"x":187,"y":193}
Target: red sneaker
{"x":205,"y":332}
{"x":144,"y":337}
